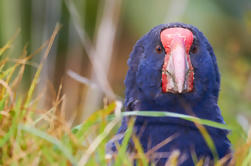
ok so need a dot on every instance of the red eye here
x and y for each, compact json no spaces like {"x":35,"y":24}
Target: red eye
{"x":158,"y":49}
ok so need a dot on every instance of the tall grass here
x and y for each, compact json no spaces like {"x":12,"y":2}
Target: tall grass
{"x":30,"y":135}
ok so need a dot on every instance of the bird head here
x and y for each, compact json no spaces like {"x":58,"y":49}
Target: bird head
{"x":170,"y":61}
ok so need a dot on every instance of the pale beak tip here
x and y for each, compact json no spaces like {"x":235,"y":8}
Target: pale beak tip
{"x":180,"y":88}
{"x":180,"y":91}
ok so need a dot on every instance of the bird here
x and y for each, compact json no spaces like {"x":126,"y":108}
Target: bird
{"x":173,"y":68}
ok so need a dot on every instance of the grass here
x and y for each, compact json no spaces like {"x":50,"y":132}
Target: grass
{"x":31,"y":136}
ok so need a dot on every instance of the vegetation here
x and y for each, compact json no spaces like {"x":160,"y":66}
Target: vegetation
{"x":31,"y":136}
{"x":53,"y":123}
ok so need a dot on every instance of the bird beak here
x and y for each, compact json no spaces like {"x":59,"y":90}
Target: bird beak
{"x":177,"y":70}
{"x":177,"y":66}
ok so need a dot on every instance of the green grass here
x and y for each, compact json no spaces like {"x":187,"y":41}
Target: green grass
{"x":29,"y":136}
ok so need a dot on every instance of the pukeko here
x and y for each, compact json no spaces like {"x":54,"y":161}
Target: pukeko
{"x":173,"y":68}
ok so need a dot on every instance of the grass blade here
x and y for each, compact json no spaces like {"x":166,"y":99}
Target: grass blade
{"x":84,"y":159}
{"x":11,"y":130}
{"x":37,"y":74}
{"x":176,"y":115}
{"x":95,"y":117}
{"x":122,"y":150}
{"x":9,"y":43}
{"x":50,"y":139}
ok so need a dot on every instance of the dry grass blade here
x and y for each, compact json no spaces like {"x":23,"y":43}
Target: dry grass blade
{"x":86,"y":42}
{"x":18,"y":78}
{"x":85,"y":157}
{"x":91,"y":51}
{"x":3,"y":63}
{"x":4,"y":84}
{"x":81,"y":79}
{"x":174,"y":158}
{"x":158,"y":146}
{"x":208,"y":139}
{"x":40,"y":48}
{"x":6,"y":77}
{"x":102,"y":55}
{"x":21,"y":71}
{"x":50,"y":139}
{"x":9,"y":43}
{"x":24,"y":61}
{"x":140,"y":152}
{"x":93,"y":119}
{"x":36,"y":77}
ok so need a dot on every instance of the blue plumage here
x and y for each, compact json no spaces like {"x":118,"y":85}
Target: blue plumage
{"x":143,"y":92}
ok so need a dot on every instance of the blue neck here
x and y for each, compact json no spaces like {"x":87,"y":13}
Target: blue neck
{"x":205,"y":108}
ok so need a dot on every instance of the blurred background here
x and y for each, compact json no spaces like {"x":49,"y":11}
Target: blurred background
{"x":89,"y":55}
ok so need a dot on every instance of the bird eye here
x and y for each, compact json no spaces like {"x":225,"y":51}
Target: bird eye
{"x":158,"y":49}
{"x":194,"y":49}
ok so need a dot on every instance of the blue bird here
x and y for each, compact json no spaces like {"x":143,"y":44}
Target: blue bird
{"x":173,"y":68}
